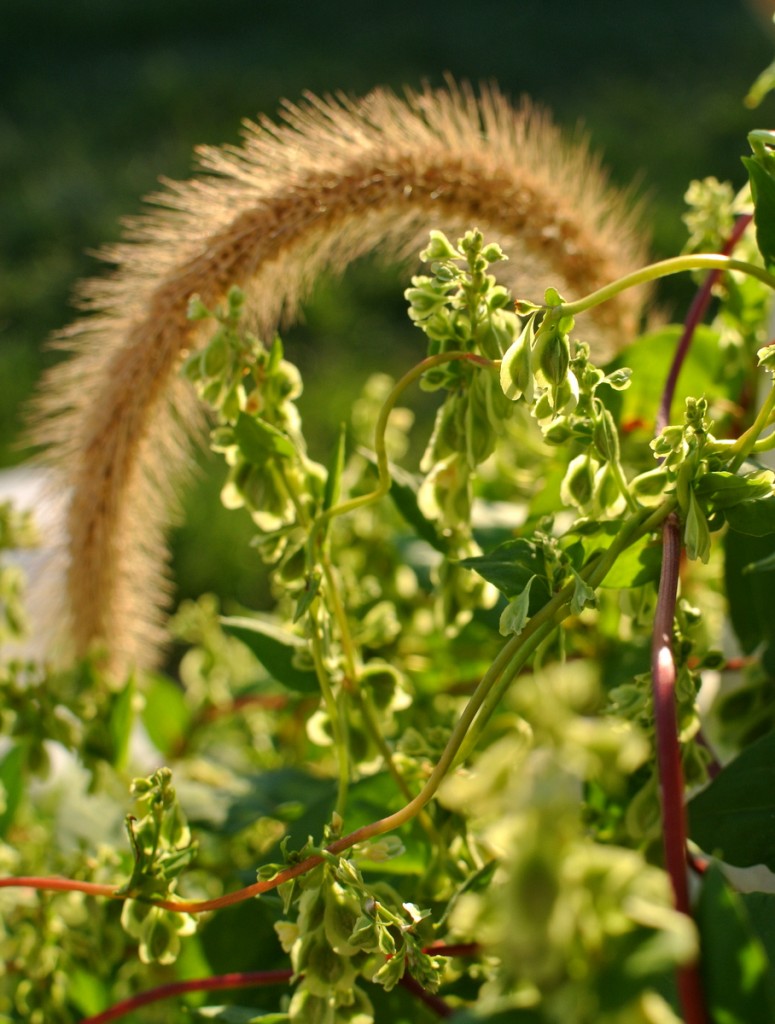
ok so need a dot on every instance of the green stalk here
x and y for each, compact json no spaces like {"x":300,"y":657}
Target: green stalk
{"x":655,"y":271}
{"x":519,"y":649}
{"x":748,"y":441}
{"x":337,"y":721}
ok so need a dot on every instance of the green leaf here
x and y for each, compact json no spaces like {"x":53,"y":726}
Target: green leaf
{"x":753,"y":518}
{"x":639,"y":564}
{"x":259,"y":440}
{"x":749,"y":595}
{"x":725,"y":490}
{"x":335,"y":470}
{"x":290,"y":795}
{"x":648,"y":357}
{"x":12,"y":780}
{"x":734,"y":817}
{"x":275,"y":648}
{"x":763,"y":192}
{"x":696,"y":531}
{"x":763,"y":565}
{"x":510,"y":567}
{"x":308,"y":595}
{"x":760,"y":907}
{"x":736,"y":976}
{"x":515,"y":614}
{"x":166,"y":715}
{"x":122,"y":717}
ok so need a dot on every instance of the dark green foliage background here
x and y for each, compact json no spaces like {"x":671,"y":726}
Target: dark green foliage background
{"x":97,"y":100}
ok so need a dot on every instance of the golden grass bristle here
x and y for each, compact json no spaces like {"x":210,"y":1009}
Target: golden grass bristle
{"x":333,"y":180}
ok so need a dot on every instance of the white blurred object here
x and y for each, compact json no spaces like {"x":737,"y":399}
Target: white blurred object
{"x":30,"y":488}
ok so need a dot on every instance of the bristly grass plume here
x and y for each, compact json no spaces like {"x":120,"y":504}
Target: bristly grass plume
{"x":333,"y":179}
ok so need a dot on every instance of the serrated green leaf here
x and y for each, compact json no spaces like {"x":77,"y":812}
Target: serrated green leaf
{"x":737,"y":978}
{"x":275,"y":648}
{"x":734,"y":817}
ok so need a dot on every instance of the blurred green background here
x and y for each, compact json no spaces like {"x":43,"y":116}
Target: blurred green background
{"x":98,"y":98}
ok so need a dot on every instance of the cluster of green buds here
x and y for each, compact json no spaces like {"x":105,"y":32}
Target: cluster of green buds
{"x":253,"y":389}
{"x":708,"y":489}
{"x":556,"y":378}
{"x":461,"y":308}
{"x":346,"y":931}
{"x":162,"y":848}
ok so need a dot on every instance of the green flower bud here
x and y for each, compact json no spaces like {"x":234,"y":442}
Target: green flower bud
{"x":606,"y":436}
{"x":516,"y":373}
{"x":650,"y":485}
{"x":343,"y":910}
{"x":439,"y":248}
{"x":552,"y":351}
{"x":578,"y":485}
{"x":493,"y":253}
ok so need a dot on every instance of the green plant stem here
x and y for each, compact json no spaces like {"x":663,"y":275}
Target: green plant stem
{"x":520,"y":648}
{"x":655,"y":271}
{"x":747,"y":442}
{"x":621,"y":482}
{"x":337,"y":720}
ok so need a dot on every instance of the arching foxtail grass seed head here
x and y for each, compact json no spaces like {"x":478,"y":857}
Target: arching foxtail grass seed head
{"x":333,"y":179}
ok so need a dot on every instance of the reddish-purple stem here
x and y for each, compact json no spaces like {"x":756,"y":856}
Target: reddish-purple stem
{"x":694,"y":316}
{"x":254,"y":979}
{"x":433,"y":1002}
{"x":671,"y":781}
{"x":244,"y":979}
